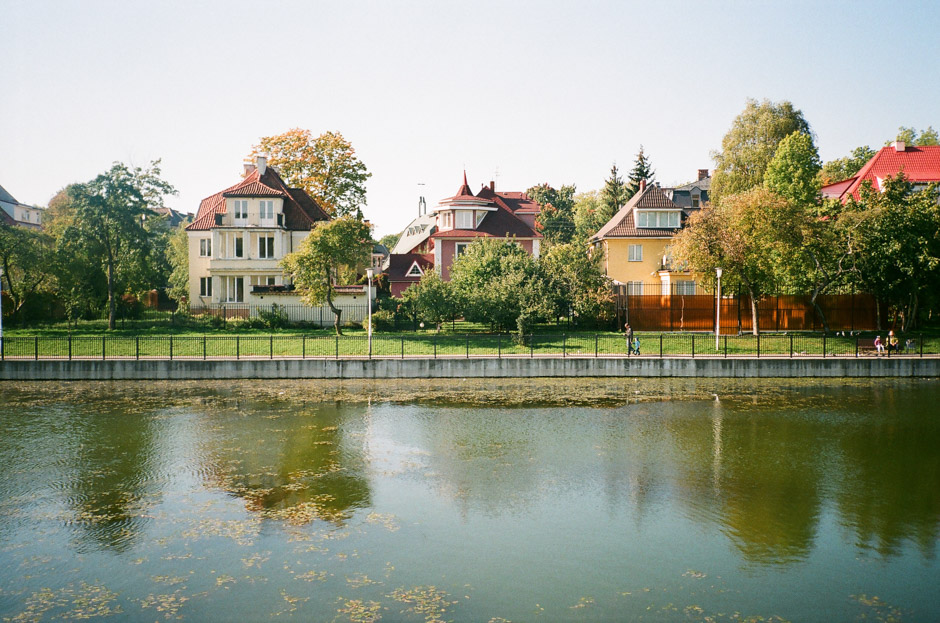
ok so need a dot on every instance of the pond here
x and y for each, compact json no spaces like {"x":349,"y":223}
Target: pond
{"x":485,"y":500}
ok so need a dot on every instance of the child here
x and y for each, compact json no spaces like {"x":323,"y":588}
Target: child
{"x":636,"y":345}
{"x":879,"y":347}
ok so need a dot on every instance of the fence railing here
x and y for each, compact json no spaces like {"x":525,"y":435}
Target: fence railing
{"x":272,"y":346}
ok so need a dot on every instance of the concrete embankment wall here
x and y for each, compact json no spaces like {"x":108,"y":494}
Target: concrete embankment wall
{"x":29,"y":370}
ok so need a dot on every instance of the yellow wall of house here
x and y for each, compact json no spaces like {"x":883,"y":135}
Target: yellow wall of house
{"x":619,"y":266}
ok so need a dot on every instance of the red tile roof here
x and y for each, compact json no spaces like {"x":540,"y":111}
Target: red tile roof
{"x":623,"y":223}
{"x":499,"y":223}
{"x":300,"y":210}
{"x":400,"y":263}
{"x":919,"y":163}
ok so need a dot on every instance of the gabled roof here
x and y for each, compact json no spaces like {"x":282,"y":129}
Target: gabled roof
{"x":300,"y":210}
{"x":919,"y":163}
{"x":416,"y":233}
{"x":623,"y":223}
{"x":500,"y":220}
{"x":399,"y":264}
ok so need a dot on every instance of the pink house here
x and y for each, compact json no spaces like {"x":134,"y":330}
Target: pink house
{"x":438,"y":238}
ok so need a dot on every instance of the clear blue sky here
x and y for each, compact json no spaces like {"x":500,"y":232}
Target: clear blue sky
{"x":536,"y":91}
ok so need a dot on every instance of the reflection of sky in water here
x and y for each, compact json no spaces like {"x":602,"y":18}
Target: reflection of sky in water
{"x":306,"y":501}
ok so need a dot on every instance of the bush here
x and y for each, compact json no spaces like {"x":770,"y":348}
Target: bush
{"x":383,"y":320}
{"x":274,"y":318}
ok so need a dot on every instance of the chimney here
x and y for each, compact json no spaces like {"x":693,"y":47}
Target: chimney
{"x":642,"y":185}
{"x":702,"y":174}
{"x":899,"y":146}
{"x":493,"y":185}
{"x":249,"y":168}
{"x":261,"y":161}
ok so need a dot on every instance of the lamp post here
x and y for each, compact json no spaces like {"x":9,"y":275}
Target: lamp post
{"x":370,"y":272}
{"x":718,"y":310}
{"x":1,"y":309}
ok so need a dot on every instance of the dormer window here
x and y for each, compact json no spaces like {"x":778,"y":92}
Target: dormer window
{"x":414,"y":271}
{"x":658,"y":218}
{"x":480,"y":216}
{"x":241,"y":211}
{"x":696,"y":200}
{"x":465,"y":219}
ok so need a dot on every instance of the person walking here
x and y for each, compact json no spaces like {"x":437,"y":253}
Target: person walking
{"x":628,"y":331}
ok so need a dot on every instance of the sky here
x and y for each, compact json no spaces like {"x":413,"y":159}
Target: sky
{"x":517,"y":92}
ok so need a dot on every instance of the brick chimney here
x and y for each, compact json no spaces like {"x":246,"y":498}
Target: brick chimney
{"x":642,"y":185}
{"x":493,"y":186}
{"x":702,"y":174}
{"x":249,"y":168}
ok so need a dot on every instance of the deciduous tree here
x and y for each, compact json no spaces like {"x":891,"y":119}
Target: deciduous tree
{"x":576,"y":282}
{"x":178,"y":257}
{"x":329,"y":251}
{"x":844,"y":168}
{"x":794,"y":171}
{"x":431,"y":299}
{"x":911,"y":136}
{"x":25,"y":256}
{"x":751,"y":143}
{"x":556,"y":217}
{"x":326,"y":166}
{"x":588,"y":215}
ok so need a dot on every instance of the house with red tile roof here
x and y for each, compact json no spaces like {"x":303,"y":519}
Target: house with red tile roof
{"x":435,"y":240}
{"x":920,"y":164}
{"x":240,"y":234}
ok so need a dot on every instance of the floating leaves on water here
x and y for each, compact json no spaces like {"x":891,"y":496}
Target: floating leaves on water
{"x":312,"y":576}
{"x":427,"y":601}
{"x":387,"y":520}
{"x":171,"y":580}
{"x":879,"y":610}
{"x":698,"y":575}
{"x":360,"y":611}
{"x":255,"y":560}
{"x":242,"y":531}
{"x":86,"y":602}
{"x":292,"y":602}
{"x":224,"y":580}
{"x":584,"y":602}
{"x":360,"y":579}
{"x":169,"y":604}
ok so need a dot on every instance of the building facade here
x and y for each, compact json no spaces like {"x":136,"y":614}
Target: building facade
{"x":16,"y":213}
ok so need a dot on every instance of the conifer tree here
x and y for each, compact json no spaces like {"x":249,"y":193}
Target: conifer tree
{"x":614,"y":195}
{"x":641,"y":171}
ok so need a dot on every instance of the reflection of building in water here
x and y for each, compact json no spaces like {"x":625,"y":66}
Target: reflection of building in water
{"x":291,"y":464}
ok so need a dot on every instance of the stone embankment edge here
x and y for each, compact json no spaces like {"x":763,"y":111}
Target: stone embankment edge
{"x":418,"y":368}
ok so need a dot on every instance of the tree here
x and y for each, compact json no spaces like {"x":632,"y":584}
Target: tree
{"x":25,"y":256}
{"x":642,"y":172}
{"x":329,"y":251}
{"x":750,"y":145}
{"x":325,"y":166}
{"x":556,"y":216}
{"x":613,"y":196}
{"x":794,"y":171}
{"x":178,"y":257}
{"x":749,"y":236}
{"x":588,"y":213}
{"x":576,"y":281}
{"x":899,"y":240}
{"x":496,"y":282}
{"x":431,"y":299}
{"x":844,"y":168}
{"x":911,"y":136}
{"x":107,"y":220}
{"x":390,"y":240}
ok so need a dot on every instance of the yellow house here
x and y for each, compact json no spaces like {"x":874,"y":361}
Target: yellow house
{"x":635,"y":242}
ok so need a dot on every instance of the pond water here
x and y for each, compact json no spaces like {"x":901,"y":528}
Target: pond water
{"x":536,"y":500}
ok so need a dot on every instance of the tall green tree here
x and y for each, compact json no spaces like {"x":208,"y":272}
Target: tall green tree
{"x":751,"y":143}
{"x":432,"y":299}
{"x":108,"y":218}
{"x":588,"y":215}
{"x":556,"y":216}
{"x":25,"y":257}
{"x":749,"y":236}
{"x":642,"y":172}
{"x":794,"y":171}
{"x":844,"y":168}
{"x":177,"y":252}
{"x":613,"y":195}
{"x":330,"y":251}
{"x":899,"y":240}
{"x":576,"y":282}
{"x":911,"y":136}
{"x":326,"y":166}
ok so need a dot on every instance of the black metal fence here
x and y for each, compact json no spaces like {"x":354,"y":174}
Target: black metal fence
{"x":272,"y":346}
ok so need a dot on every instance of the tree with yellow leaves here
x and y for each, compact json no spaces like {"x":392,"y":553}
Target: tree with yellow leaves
{"x":325,"y":166}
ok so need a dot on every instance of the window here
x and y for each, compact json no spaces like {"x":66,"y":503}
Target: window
{"x":205,"y":247}
{"x":459,"y":249}
{"x":264,"y":280}
{"x":464,"y":219}
{"x":205,"y":286}
{"x":233,"y":290}
{"x":636,"y":253}
{"x":696,"y":201}
{"x":658,"y":218}
{"x":685,"y":287}
{"x":265,"y":247}
{"x":267,"y":212}
{"x":414,"y":271}
{"x":635,"y":287}
{"x":241,"y":210}
{"x":480,"y":216}
{"x":447,"y":219}
{"x":239,"y":246}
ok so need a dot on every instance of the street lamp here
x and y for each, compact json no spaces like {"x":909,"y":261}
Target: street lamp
{"x":370,"y":272}
{"x":718,"y":309}
{"x":1,"y":309}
